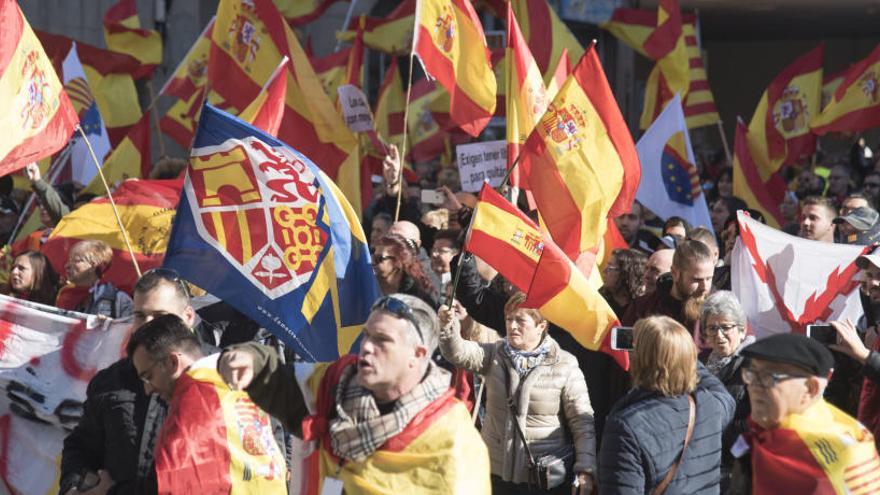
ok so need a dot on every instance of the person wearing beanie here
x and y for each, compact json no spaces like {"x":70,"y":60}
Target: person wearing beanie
{"x":798,"y":442}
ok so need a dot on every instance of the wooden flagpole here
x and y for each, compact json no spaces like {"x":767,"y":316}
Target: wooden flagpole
{"x":402,"y":155}
{"x":155,"y":111}
{"x":137,"y":267}
{"x":724,"y":143}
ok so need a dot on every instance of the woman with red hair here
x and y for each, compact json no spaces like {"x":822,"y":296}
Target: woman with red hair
{"x":398,"y":270}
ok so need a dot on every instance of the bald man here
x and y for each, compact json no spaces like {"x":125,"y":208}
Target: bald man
{"x":659,"y":263}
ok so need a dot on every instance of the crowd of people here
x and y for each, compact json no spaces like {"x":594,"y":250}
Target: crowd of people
{"x":704,"y":407}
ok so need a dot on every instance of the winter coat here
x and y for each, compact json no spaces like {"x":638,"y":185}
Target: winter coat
{"x":658,"y":303}
{"x":644,"y":435}
{"x":553,"y":406}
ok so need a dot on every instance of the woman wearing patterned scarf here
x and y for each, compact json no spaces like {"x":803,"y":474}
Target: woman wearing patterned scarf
{"x":723,"y":329}
{"x":546,"y":389}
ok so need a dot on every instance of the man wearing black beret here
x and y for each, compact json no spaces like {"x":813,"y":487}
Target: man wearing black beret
{"x":799,"y":443}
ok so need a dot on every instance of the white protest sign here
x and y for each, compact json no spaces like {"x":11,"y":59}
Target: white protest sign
{"x":355,"y":108}
{"x":478,"y":162}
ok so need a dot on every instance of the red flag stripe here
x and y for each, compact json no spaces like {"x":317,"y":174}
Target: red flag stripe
{"x":10,"y":35}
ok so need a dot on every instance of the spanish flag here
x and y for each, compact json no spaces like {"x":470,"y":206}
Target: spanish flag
{"x":123,"y":33}
{"x":564,"y":295}
{"x":332,"y":70}
{"x":855,"y":104}
{"x":581,"y":162}
{"x":129,"y":160}
{"x":762,"y":195}
{"x":267,"y":109}
{"x":392,"y":34}
{"x":216,"y":440}
{"x":299,"y":12}
{"x":426,"y":136}
{"x":37,"y":118}
{"x":779,"y":132}
{"x":449,"y":41}
{"x":146,"y":208}
{"x":820,"y":450}
{"x":179,"y":122}
{"x":390,"y":106}
{"x":192,"y":72}
{"x":671,"y":73}
{"x":505,"y":238}
{"x":526,"y":96}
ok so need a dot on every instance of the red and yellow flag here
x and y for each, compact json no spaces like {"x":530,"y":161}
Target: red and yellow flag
{"x":37,"y":117}
{"x":581,"y":162}
{"x":123,"y":33}
{"x":299,"y":12}
{"x":192,"y":72}
{"x":267,"y":110}
{"x":392,"y":34}
{"x":216,"y":440}
{"x":426,"y":135}
{"x":821,"y":450}
{"x":332,"y":70}
{"x":390,"y":106}
{"x":779,"y":132}
{"x":855,"y":104}
{"x":526,"y":95}
{"x":760,"y":194}
{"x":110,"y":76}
{"x":671,"y":73}
{"x":450,"y":42}
{"x":130,"y":160}
{"x":146,"y":207}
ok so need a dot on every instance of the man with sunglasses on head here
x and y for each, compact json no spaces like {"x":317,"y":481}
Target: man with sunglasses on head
{"x":798,"y":442}
{"x":385,"y":419}
{"x":111,"y":449}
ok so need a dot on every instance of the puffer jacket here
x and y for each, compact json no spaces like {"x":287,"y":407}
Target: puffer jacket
{"x":644,"y":435}
{"x":553,"y":406}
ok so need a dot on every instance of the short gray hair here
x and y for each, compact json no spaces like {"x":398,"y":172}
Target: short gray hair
{"x":723,"y":303}
{"x":426,"y":318}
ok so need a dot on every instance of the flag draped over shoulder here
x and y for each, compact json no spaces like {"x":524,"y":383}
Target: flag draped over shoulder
{"x":123,"y":33}
{"x":48,"y":357}
{"x":785,"y":282}
{"x":146,"y":208}
{"x":292,"y":253}
{"x":764,"y":196}
{"x":779,"y":132}
{"x":449,"y":41}
{"x":130,"y":160}
{"x":855,"y":103}
{"x":670,"y":184}
{"x":237,"y":451}
{"x":581,"y":163}
{"x":36,"y":117}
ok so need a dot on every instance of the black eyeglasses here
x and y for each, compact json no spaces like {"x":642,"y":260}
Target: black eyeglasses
{"x":400,"y":309}
{"x":380,"y":259}
{"x":169,"y":275}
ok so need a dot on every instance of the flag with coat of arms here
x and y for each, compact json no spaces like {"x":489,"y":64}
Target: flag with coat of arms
{"x":263,"y":228}
{"x":670,"y":183}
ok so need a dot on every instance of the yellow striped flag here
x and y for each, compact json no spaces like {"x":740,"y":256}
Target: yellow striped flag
{"x":580,"y":160}
{"x":671,"y":73}
{"x":855,"y":104}
{"x":37,"y":117}
{"x":449,"y":41}
{"x":123,"y":33}
{"x":779,"y":132}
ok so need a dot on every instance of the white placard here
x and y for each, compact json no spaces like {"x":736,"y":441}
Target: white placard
{"x":355,"y":108}
{"x":478,"y":162}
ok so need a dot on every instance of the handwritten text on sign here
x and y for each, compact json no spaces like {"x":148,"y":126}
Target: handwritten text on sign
{"x":355,"y":108}
{"x":478,"y":162}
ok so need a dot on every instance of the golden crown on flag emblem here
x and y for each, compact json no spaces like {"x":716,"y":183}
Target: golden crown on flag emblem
{"x":790,"y":114}
{"x":260,"y":205}
{"x":36,"y":107}
{"x":869,"y":85}
{"x":561,"y":123}
{"x":444,"y":28}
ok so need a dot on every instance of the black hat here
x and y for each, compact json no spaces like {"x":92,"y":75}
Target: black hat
{"x":793,"y":349}
{"x":861,"y":218}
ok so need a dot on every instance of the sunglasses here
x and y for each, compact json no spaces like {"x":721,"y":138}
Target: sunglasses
{"x":170,"y":275}
{"x":379,"y":259}
{"x":400,"y":309}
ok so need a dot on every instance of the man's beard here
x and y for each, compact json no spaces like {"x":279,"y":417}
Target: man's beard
{"x":692,"y":307}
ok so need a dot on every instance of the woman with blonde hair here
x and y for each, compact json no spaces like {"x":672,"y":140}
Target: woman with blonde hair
{"x":665,"y":434}
{"x":86,"y":270}
{"x":537,"y":405}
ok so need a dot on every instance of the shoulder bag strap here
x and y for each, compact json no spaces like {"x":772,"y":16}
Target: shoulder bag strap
{"x":513,"y":412}
{"x":692,"y":414}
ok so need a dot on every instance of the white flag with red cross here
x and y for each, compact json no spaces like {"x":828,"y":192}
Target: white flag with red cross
{"x":785,"y":283}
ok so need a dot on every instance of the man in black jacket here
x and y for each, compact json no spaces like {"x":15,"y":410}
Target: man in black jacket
{"x":113,"y":443}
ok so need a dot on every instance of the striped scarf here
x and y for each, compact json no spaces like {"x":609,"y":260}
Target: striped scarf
{"x":525,"y":360}
{"x":359,"y":429}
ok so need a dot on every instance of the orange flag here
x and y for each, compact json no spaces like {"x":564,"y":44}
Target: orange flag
{"x":526,"y":96}
{"x":855,"y":104}
{"x":267,"y":110}
{"x":779,"y":132}
{"x":123,"y":33}
{"x":449,"y":41}
{"x":580,"y":160}
{"x":37,"y":117}
{"x":761,"y":194}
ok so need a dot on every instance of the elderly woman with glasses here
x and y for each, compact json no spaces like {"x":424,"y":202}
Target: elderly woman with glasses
{"x":536,"y":402}
{"x":723,"y":329}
